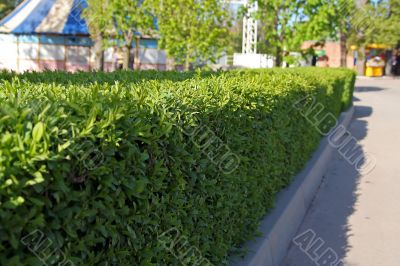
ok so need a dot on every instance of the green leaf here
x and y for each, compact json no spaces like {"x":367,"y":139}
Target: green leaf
{"x":37,"y":180}
{"x":37,"y":132}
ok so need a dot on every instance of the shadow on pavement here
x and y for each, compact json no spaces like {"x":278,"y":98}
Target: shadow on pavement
{"x":333,"y":204}
{"x":360,"y":112}
{"x":367,"y":89}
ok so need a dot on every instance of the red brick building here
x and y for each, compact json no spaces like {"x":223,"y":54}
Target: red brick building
{"x":333,"y":51}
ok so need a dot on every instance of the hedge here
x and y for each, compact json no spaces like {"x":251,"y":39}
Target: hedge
{"x":125,"y":77}
{"x":105,"y":166}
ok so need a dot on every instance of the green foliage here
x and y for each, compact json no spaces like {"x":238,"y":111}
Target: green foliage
{"x":376,"y":23}
{"x":277,"y":26}
{"x":121,"y":76}
{"x":123,"y":21}
{"x":6,"y":6}
{"x":285,"y":25}
{"x":326,"y":19}
{"x":131,"y":19}
{"x":97,"y":16}
{"x":152,"y":176}
{"x":192,"y":31}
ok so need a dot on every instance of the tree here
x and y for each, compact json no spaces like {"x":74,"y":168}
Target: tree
{"x":286,"y":24}
{"x":280,"y":23}
{"x":364,"y":22}
{"x":373,"y":22}
{"x":377,"y":23}
{"x":192,"y":31}
{"x":6,"y":6}
{"x":330,"y":20}
{"x":131,"y":19}
{"x":97,"y":16}
{"x":390,"y":24}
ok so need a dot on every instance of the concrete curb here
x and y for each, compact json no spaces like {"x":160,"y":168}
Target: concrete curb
{"x":279,"y":227}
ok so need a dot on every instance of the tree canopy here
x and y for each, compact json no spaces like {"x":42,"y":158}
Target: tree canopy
{"x":376,"y":23}
{"x":193,"y":31}
{"x":6,"y":6}
{"x":131,"y":19}
{"x":286,"y":24}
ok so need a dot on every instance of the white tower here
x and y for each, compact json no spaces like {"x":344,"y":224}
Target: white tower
{"x":249,"y":57}
{"x":249,"y":42}
{"x":249,"y":45}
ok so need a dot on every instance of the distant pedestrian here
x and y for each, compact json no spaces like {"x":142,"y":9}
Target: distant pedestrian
{"x":355,"y":59}
{"x":394,"y":63}
{"x":314,"y":60}
{"x":397,"y":72}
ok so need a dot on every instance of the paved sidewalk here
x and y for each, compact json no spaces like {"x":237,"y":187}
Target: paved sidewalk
{"x":357,"y":217}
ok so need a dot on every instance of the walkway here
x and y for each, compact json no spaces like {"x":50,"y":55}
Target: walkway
{"x":357,"y":217}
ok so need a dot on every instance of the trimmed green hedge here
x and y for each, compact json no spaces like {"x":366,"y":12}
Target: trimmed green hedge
{"x":103,"y":169}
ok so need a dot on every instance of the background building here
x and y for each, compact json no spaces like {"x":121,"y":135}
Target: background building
{"x":51,"y":34}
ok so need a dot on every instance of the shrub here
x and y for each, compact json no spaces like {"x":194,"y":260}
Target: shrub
{"x":103,"y":169}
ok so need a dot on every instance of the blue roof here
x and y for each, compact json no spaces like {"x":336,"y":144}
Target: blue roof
{"x":47,"y":17}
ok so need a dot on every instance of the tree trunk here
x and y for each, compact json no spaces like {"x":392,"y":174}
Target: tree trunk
{"x":278,"y":57}
{"x":343,"y":50}
{"x":127,"y":57}
{"x":137,"y":53}
{"x":187,"y":63}
{"x":278,"y":54}
{"x":361,"y":62}
{"x":98,"y":54}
